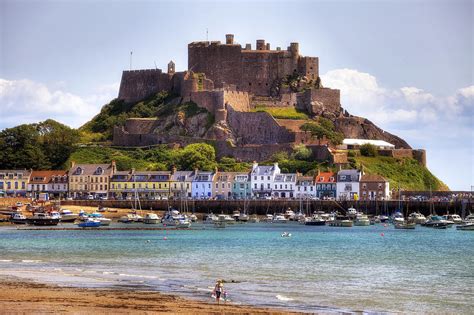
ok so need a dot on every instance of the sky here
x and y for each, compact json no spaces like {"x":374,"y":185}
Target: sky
{"x":405,"y":65}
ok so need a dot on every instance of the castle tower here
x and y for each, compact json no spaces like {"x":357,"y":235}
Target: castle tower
{"x":294,"y":49}
{"x":229,"y":39}
{"x":260,"y":44}
{"x":171,"y":68}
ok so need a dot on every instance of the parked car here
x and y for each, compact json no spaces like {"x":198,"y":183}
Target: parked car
{"x":90,"y":197}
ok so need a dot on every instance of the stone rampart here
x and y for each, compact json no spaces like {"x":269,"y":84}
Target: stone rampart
{"x":239,"y":100}
{"x":419,"y":155}
{"x":257,"y":128}
{"x":321,"y":101}
{"x":284,"y":100}
{"x":140,"y":84}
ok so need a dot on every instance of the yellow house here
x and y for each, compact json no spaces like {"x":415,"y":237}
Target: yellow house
{"x":146,"y":184}
{"x":87,"y":180}
{"x":14,"y":182}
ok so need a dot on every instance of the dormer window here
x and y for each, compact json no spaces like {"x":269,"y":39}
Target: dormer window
{"x":343,"y":177}
{"x":332,"y":179}
{"x":79,"y":171}
{"x":99,"y":171}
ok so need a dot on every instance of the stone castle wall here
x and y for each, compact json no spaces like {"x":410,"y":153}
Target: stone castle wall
{"x":419,"y":154}
{"x":253,"y":71}
{"x":140,"y":84}
{"x":240,"y":101}
{"x":251,"y":153}
{"x":319,"y":101}
{"x":284,"y":100}
{"x":257,"y":128}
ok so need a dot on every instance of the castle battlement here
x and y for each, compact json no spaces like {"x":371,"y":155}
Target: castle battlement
{"x":144,"y":71}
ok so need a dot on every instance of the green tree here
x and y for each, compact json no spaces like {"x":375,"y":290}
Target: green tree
{"x":198,"y":155}
{"x":301,"y":152}
{"x":368,"y":150}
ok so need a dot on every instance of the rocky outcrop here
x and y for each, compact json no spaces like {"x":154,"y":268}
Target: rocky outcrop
{"x":362,"y":128}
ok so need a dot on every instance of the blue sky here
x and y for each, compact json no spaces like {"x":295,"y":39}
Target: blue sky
{"x":406,"y":65}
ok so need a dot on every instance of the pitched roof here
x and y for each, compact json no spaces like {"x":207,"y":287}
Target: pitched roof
{"x":181,"y":176}
{"x":302,"y":179}
{"x":263,"y":170}
{"x":285,"y":177}
{"x":44,"y":177}
{"x":372,"y":178}
{"x":378,"y":143}
{"x":90,"y":169}
{"x":325,"y":177}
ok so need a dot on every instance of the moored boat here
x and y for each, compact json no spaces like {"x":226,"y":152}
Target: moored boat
{"x":341,"y":221}
{"x":99,"y":217}
{"x":405,"y":225}
{"x":361,"y":220}
{"x":43,"y":219}
{"x":89,"y":223}
{"x":466,"y":226}
{"x":456,"y":219}
{"x":18,"y":218}
{"x":220,"y":222}
{"x":68,"y":216}
{"x":279,"y":218}
{"x":210,"y":219}
{"x":417,"y":217}
{"x":316,"y":219}
{"x":151,"y":218}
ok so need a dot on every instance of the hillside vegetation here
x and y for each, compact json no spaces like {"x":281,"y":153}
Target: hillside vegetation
{"x":406,"y":172}
{"x":282,"y":112}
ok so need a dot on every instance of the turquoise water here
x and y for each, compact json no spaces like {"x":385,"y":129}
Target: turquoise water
{"x":323,"y":269}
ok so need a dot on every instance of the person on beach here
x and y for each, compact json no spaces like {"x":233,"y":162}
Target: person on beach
{"x":219,"y":287}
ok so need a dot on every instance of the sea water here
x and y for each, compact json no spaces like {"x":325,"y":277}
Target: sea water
{"x":373,"y":269}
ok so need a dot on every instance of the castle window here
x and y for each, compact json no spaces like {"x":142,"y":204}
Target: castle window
{"x":250,"y":83}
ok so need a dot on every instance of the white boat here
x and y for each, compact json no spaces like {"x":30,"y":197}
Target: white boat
{"x":285,"y":234}
{"x":236,"y":215}
{"x":316,"y":219}
{"x":361,"y":220}
{"x":279,"y":218}
{"x":68,"y":216}
{"x":351,"y":212}
{"x":18,"y":218}
{"x":341,"y":221}
{"x":129,"y":218}
{"x":417,"y":217}
{"x":193,"y":218}
{"x":151,"y":218}
{"x":289,"y":214}
{"x":405,"y":225}
{"x":210,"y":219}
{"x":254,"y":219}
{"x":397,"y":217}
{"x":299,"y":216}
{"x":174,"y":218}
{"x":229,"y":219}
{"x":469,"y":219}
{"x":99,"y":217}
{"x":220,"y":222}
{"x":55,"y":215}
{"x":466,"y":226}
{"x":438,"y":222}
{"x":243,"y":217}
{"x":268,"y":218}
{"x":453,"y":217}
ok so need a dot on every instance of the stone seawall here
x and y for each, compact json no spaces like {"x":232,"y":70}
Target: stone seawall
{"x":262,"y":207}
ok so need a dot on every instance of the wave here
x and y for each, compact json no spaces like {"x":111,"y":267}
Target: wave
{"x":6,"y":260}
{"x":283,"y":298}
{"x":31,"y":261}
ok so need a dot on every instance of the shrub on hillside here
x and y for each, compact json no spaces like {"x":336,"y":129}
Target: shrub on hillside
{"x":368,"y":150}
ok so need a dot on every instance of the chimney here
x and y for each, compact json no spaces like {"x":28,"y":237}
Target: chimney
{"x":173,"y":170}
{"x":73,"y":163}
{"x":254,"y":165}
{"x":216,"y":170}
{"x":196,"y":171}
{"x":319,"y":172}
{"x":260,"y":44}
{"x":114,"y":167}
{"x":229,"y":39}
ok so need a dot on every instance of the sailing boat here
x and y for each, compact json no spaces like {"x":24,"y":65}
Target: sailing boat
{"x":403,"y":225}
{"x":244,"y":217}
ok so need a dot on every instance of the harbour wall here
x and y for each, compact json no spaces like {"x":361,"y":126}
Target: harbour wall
{"x":263,"y":207}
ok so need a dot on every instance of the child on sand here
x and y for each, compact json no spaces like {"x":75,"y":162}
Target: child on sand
{"x":219,"y":287}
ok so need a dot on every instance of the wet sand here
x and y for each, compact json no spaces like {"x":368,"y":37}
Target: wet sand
{"x":23,"y":297}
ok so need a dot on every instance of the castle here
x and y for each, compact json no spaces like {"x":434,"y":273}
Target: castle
{"x":230,"y":82}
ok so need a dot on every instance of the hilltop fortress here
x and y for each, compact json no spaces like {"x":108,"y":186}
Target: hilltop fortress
{"x":231,"y":82}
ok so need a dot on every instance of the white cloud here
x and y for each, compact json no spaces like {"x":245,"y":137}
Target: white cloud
{"x":26,"y":101}
{"x":444,"y":126}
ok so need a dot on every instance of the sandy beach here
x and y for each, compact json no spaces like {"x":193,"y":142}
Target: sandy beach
{"x":23,"y":297}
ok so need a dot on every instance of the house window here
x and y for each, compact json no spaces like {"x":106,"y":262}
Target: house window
{"x":348,"y":187}
{"x":380,"y":186}
{"x":223,"y":185}
{"x":343,"y":177}
{"x":268,"y":186}
{"x":276,"y":186}
{"x":261,"y":177}
{"x":364,"y":185}
{"x":255,"y":177}
{"x":217,"y":185}
{"x":255,"y":186}
{"x":268,"y":177}
{"x":331,"y":179}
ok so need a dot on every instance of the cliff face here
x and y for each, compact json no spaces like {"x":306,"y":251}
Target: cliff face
{"x":362,"y":128}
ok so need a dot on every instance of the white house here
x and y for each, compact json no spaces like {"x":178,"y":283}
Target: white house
{"x":305,"y":187}
{"x":284,"y":185}
{"x":262,"y":178}
{"x":202,"y":184}
{"x":348,"y":184}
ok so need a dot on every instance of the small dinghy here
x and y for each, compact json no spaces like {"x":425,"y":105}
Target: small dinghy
{"x":285,"y":234}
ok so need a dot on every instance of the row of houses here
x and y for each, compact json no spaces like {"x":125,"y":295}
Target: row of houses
{"x":262,"y":181}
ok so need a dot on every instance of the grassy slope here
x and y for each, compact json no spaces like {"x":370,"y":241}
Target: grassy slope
{"x":406,"y":172}
{"x":282,"y":112}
